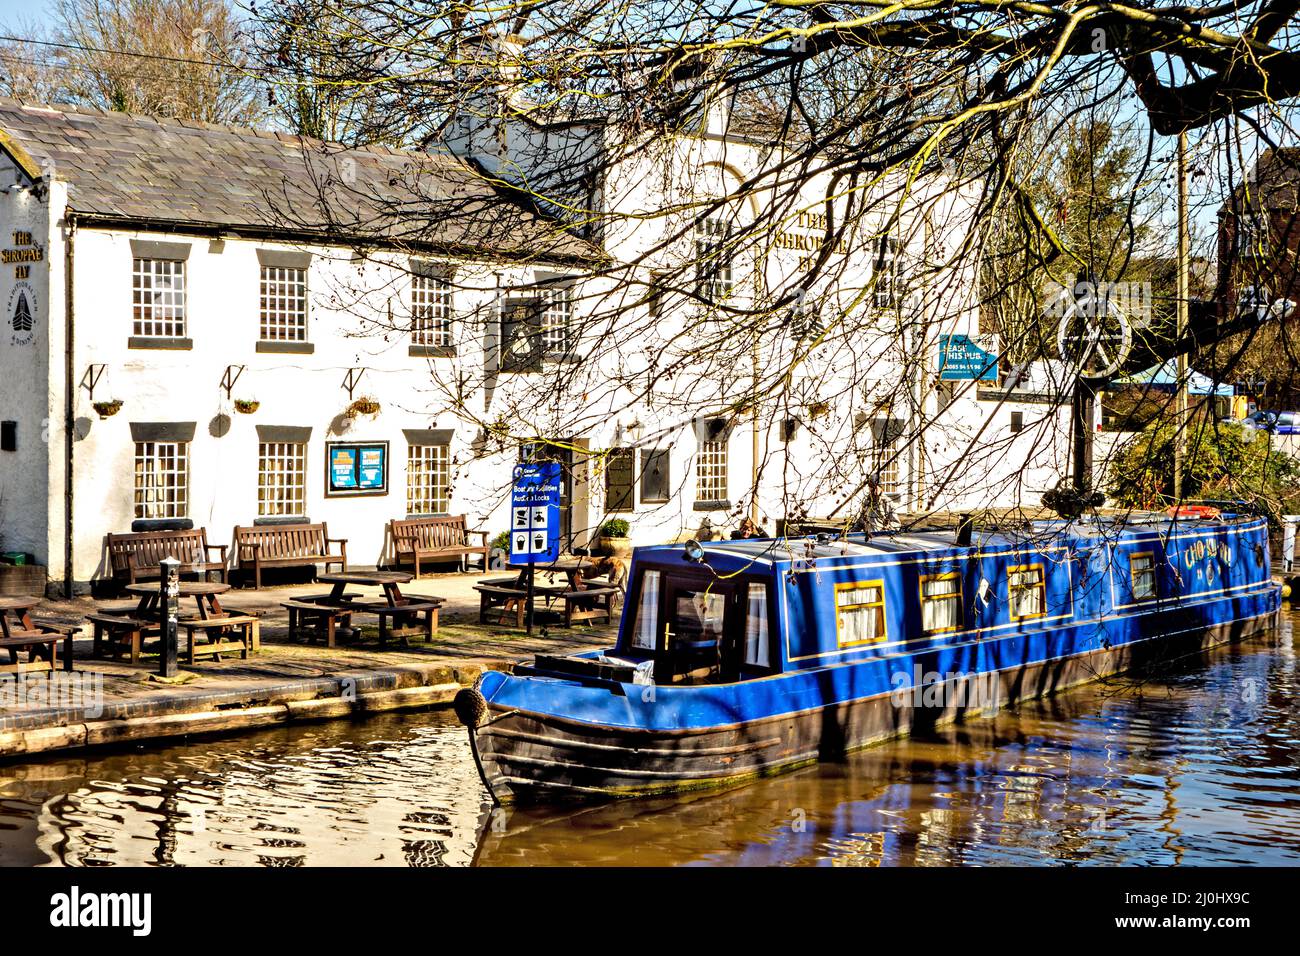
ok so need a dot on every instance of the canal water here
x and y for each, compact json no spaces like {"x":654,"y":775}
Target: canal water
{"x":1199,"y":765}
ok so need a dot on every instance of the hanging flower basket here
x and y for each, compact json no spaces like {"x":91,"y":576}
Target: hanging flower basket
{"x":362,"y":406}
{"x":108,"y":409}
{"x":246,"y":406}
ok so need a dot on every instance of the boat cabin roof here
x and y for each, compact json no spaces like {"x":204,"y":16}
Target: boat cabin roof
{"x":761,"y":555}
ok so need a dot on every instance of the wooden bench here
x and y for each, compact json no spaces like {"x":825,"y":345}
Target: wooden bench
{"x":121,"y":632}
{"x":429,"y":539}
{"x":507,"y":599}
{"x":245,"y":625}
{"x":42,"y":645}
{"x":585,"y":604}
{"x":286,"y":546}
{"x":589,"y":603}
{"x":316,"y":620}
{"x":135,"y":555}
{"x":399,"y":621}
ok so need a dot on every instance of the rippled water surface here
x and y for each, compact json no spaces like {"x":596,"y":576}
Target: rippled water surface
{"x":1197,"y":766}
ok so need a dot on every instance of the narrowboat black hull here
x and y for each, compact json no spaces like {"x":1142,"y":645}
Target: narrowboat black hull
{"x":532,"y":757}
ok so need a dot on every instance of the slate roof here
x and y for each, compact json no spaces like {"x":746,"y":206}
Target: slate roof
{"x":159,"y":173}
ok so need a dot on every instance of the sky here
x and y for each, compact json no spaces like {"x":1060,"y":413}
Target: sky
{"x":12,"y":11}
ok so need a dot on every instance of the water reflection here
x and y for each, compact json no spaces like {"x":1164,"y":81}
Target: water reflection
{"x":1197,"y":766}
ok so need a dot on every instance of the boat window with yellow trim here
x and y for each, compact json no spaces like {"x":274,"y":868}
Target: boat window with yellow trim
{"x":1142,"y":571}
{"x":859,"y":612}
{"x":940,"y":602}
{"x":1026,"y":591}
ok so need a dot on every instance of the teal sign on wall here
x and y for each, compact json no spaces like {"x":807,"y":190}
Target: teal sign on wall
{"x":357,"y":468}
{"x":961,"y":357}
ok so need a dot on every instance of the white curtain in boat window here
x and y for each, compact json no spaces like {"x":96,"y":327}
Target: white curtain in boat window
{"x":860,"y":613}
{"x":756,"y":643}
{"x":1025,"y":589}
{"x":941,"y":603}
{"x":1143,"y":568}
{"x":647,"y":613}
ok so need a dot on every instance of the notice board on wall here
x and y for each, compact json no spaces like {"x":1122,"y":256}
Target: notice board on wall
{"x":356,"y":468}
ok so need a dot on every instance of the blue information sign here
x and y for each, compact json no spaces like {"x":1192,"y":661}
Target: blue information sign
{"x":960,"y":357}
{"x":535,"y":513}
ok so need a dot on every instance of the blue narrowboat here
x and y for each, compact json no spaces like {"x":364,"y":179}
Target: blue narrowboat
{"x":739,"y":659}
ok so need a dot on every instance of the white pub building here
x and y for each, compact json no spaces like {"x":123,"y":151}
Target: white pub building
{"x":211,"y":327}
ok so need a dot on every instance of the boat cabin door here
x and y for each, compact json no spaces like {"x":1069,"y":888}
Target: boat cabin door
{"x":698,"y":643}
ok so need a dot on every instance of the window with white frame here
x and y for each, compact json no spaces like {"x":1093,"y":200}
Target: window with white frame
{"x":162,"y":479}
{"x":885,"y":290}
{"x":889,"y":472}
{"x":428,"y":479}
{"x":714,"y":278}
{"x":557,"y":319}
{"x":281,"y":478}
{"x":158,"y":297}
{"x":711,"y":471}
{"x":431,"y":310}
{"x":284,"y":304}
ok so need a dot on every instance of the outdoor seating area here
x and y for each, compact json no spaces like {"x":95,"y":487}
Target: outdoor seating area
{"x":571,"y":590}
{"x":329,"y":616}
{"x":574,"y":590}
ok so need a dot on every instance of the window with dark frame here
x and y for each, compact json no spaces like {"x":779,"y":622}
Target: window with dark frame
{"x":654,"y":476}
{"x":521,"y":335}
{"x":885,"y":292}
{"x":620,"y":480}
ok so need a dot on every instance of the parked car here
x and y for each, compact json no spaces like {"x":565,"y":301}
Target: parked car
{"x":1279,"y":423}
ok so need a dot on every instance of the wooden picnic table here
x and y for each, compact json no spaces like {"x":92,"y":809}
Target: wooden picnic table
{"x":403,"y":610}
{"x":19,"y":632}
{"x":205,"y":594}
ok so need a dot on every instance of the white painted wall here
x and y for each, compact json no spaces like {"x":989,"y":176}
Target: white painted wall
{"x":25,"y":474}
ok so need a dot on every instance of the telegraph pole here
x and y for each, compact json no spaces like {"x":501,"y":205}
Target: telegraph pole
{"x":1184,"y":251}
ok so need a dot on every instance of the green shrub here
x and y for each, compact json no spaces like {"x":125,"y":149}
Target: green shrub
{"x":501,"y":541}
{"x":614,"y":528}
{"x":1220,"y":461}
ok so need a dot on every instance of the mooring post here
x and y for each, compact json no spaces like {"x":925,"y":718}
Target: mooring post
{"x":169,"y":607}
